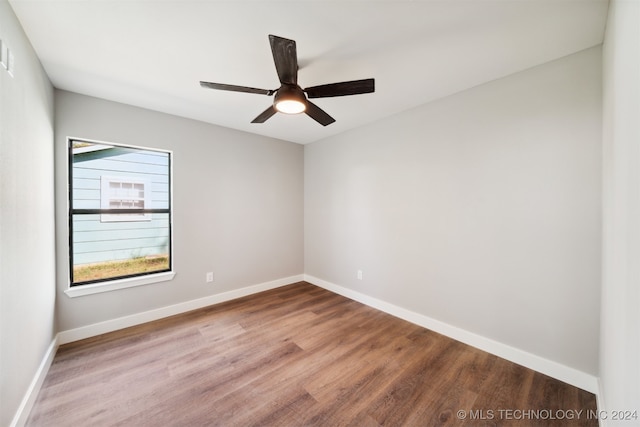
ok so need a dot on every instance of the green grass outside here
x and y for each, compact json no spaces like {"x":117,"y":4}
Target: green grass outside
{"x":107,"y":270}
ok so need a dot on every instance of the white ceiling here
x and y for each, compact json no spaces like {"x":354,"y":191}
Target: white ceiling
{"x":153,"y":53}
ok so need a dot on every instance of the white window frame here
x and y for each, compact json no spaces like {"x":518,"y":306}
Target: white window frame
{"x":123,"y":283}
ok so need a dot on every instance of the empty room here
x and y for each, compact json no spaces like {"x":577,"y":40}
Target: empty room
{"x":288,"y":213}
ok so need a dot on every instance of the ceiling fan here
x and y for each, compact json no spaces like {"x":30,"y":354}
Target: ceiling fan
{"x":290,"y":98}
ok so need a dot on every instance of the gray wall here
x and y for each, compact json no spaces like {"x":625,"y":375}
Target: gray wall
{"x":480,"y":210}
{"x":238,"y":201}
{"x":27,"y":268}
{"x":620,"y":328}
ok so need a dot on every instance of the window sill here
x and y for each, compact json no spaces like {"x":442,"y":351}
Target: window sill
{"x":96,"y":288}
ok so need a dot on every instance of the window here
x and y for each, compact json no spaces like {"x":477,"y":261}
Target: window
{"x":119,"y":212}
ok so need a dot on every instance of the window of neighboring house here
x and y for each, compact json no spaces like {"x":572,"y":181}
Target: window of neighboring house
{"x":124,"y":193}
{"x":119,"y":214}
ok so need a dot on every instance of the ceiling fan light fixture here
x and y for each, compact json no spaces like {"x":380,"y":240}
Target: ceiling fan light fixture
{"x":290,"y":100}
{"x":290,"y":106}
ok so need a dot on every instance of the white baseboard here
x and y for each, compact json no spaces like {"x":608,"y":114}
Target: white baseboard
{"x":540,"y":364}
{"x":88,"y":331}
{"x":600,"y":403}
{"x":20,"y":418}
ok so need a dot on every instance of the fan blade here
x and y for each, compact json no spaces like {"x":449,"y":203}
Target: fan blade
{"x":285,"y":58}
{"x":234,"y":88}
{"x":318,"y":114}
{"x":265,"y":115}
{"x":355,"y":87}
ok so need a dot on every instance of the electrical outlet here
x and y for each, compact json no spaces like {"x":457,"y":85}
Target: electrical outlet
{"x":210,"y":277}
{"x":359,"y":274}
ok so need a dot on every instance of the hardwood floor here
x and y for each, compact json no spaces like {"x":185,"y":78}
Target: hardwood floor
{"x":294,"y":356}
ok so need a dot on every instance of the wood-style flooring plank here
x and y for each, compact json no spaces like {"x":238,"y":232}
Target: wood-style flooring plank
{"x":294,"y":356}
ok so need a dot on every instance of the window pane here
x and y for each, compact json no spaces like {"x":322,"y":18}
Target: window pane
{"x":126,"y":172}
{"x":115,"y":249}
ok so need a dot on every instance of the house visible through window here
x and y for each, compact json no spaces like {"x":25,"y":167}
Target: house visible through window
{"x":119,"y":212}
